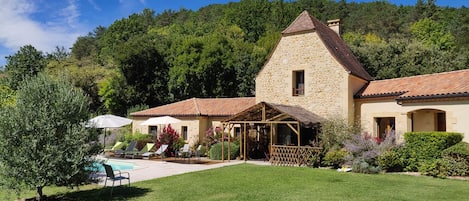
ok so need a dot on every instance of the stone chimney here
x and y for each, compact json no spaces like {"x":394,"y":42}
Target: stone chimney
{"x":334,"y":25}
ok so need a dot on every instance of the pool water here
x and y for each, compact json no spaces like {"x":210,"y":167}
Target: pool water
{"x":116,"y":165}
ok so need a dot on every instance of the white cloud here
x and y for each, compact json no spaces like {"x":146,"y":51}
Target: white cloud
{"x":71,"y":13}
{"x":23,"y":23}
{"x":95,"y":6}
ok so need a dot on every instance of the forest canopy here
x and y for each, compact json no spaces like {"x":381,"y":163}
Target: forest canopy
{"x":150,"y":59}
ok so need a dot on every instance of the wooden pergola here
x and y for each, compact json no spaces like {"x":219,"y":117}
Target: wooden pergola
{"x":269,"y":115}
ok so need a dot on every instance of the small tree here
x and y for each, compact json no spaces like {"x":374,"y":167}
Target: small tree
{"x":43,"y":140}
{"x":335,"y":132}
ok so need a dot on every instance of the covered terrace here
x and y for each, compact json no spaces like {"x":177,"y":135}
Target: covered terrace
{"x":286,"y":134}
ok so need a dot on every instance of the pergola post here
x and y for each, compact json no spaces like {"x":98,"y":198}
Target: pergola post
{"x":240,"y":141}
{"x":299,"y":133}
{"x":222,"y":143}
{"x":229,"y":141}
{"x":244,"y":154}
{"x":271,"y":138}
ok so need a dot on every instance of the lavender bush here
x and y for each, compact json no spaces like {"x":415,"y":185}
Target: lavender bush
{"x":364,"y":151}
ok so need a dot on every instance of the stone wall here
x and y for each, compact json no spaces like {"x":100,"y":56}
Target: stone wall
{"x":327,"y":84}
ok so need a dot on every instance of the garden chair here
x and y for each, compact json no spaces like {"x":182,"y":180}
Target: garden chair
{"x":139,"y":153}
{"x":111,"y":175}
{"x":129,"y":148}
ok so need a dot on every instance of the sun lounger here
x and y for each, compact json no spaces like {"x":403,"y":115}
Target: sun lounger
{"x":130,"y":148}
{"x":186,"y":152}
{"x":138,"y":154}
{"x":116,"y":147}
{"x":159,"y":152}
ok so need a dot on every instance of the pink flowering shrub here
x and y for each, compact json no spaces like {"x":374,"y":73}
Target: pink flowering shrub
{"x":170,"y":137}
{"x":214,"y":135}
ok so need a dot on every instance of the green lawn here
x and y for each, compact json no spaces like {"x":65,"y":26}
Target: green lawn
{"x":254,"y":182}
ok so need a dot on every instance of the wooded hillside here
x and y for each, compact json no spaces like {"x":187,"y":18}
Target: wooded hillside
{"x":150,"y":59}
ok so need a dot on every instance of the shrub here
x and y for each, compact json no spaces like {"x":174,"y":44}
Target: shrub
{"x":361,"y":166}
{"x":179,"y":143}
{"x":459,"y":150}
{"x":335,"y":132}
{"x":170,"y":137}
{"x":215,"y":151}
{"x":335,"y":158}
{"x":392,"y":160}
{"x":425,"y":147}
{"x":136,"y":137}
{"x":364,"y":152}
{"x":213,"y":136}
{"x":455,"y":162}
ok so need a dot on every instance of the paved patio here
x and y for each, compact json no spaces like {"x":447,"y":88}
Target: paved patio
{"x":151,"y":169}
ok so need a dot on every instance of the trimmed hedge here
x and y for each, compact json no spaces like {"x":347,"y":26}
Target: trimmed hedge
{"x":426,"y":147}
{"x":460,"y":150}
{"x":215,"y":151}
{"x":455,"y":162}
{"x":392,"y":160}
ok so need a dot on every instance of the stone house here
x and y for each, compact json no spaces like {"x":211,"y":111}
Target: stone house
{"x":312,"y":75}
{"x":197,"y":115}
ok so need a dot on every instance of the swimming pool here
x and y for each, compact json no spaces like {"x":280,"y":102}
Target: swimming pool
{"x":116,"y":165}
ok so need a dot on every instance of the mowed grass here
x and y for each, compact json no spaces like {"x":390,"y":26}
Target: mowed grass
{"x":254,"y":182}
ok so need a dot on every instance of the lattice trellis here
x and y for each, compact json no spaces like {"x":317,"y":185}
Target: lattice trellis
{"x":293,"y":155}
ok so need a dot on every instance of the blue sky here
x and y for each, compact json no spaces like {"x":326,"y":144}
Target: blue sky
{"x":46,"y":24}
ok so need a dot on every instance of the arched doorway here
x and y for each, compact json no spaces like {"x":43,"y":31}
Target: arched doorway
{"x":428,"y":120}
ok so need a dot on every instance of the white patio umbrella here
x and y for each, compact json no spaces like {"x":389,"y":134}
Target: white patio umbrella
{"x":163,"y":120}
{"x":108,"y":121}
{"x":160,"y":120}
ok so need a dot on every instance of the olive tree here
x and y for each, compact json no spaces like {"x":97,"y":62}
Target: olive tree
{"x":43,"y":140}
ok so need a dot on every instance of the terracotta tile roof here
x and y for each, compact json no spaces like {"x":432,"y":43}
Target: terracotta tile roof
{"x":439,"y":85}
{"x":200,"y":107}
{"x":336,"y":46}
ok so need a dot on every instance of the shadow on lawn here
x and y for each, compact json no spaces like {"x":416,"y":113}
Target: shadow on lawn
{"x":119,"y":193}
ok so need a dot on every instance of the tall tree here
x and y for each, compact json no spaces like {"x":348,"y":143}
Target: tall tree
{"x":88,"y":46}
{"x":419,"y":10}
{"x":143,"y":74}
{"x":45,"y":133}
{"x":25,"y":63}
{"x":251,"y":16}
{"x":433,"y":34}
{"x":59,"y":54}
{"x":121,"y":31}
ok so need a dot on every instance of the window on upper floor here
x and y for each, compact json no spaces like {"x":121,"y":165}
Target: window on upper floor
{"x":298,"y":83}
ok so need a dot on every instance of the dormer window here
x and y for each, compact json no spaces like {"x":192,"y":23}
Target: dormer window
{"x":299,"y":83}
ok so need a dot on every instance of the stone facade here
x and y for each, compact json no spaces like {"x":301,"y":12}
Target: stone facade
{"x":329,"y":88}
{"x":414,"y":117}
{"x":196,"y":127}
